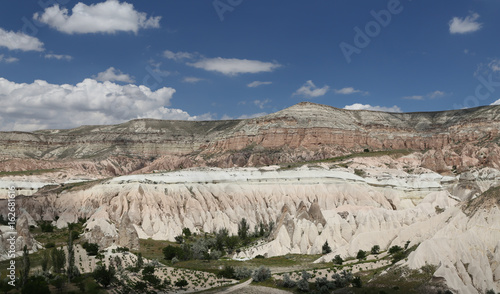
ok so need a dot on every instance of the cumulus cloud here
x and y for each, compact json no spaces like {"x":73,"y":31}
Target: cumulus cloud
{"x":192,"y":80}
{"x":8,"y":59}
{"x":177,"y":56}
{"x":350,"y":90}
{"x":436,"y":94}
{"x":309,"y":90}
{"x":41,"y":105}
{"x":114,"y":75}
{"x":110,"y":16}
{"x":465,"y":25}
{"x":233,"y":66}
{"x":59,"y":57}
{"x":359,"y":106}
{"x":258,"y":83}
{"x":19,"y":41}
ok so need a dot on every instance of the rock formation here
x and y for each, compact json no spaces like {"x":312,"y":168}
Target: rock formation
{"x":306,"y":131}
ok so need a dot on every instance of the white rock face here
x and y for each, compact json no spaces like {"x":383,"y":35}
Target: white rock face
{"x":308,"y":205}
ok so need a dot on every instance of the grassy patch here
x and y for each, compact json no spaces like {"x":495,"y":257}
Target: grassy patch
{"x":28,"y":172}
{"x":395,"y":153}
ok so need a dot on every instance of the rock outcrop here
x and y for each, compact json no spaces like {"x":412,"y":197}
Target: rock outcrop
{"x":302,"y":132}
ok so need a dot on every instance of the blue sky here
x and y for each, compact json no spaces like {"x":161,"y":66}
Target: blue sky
{"x":65,"y":63}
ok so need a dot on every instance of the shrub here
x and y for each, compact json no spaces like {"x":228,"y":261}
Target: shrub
{"x":375,"y":249}
{"x":91,"y":248}
{"x":171,"y":252}
{"x":241,"y":273}
{"x":337,"y":260}
{"x":288,"y":282}
{"x":227,"y":272}
{"x":356,"y":282}
{"x":103,"y":275}
{"x":303,"y":283}
{"x":46,"y":227}
{"x":361,"y":255}
{"x":181,"y":283}
{"x":261,"y":274}
{"x":326,"y":248}
{"x":50,"y":245}
{"x":395,"y":249}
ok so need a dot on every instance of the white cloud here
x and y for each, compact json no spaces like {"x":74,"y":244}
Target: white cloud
{"x":414,"y":97}
{"x":233,"y":66}
{"x":431,"y":95}
{"x":258,"y":83}
{"x":113,"y":75}
{"x":261,"y":103}
{"x":436,"y":94}
{"x":105,"y":17}
{"x":177,"y":56}
{"x":350,"y":90}
{"x":19,"y":41}
{"x":59,"y":57}
{"x":8,"y":59}
{"x":41,"y":105}
{"x":359,"y":106}
{"x":192,"y":80}
{"x":309,"y":90}
{"x":465,"y":25}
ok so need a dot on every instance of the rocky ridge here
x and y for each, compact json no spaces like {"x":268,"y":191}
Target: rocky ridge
{"x":306,"y":131}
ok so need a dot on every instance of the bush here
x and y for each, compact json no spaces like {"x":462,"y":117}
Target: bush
{"x":227,"y":272}
{"x":288,"y":282}
{"x":261,"y":274}
{"x":375,"y":249}
{"x":356,"y":282}
{"x":361,"y":255}
{"x":395,"y":249}
{"x":46,"y":227}
{"x":241,"y":273}
{"x":171,"y":252}
{"x":337,"y":260}
{"x":326,"y":248}
{"x":181,"y":283}
{"x":91,"y":248}
{"x":303,"y":284}
{"x":103,"y":275}
{"x":50,"y":245}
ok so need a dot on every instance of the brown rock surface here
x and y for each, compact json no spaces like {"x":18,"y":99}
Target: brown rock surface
{"x":305,"y":131}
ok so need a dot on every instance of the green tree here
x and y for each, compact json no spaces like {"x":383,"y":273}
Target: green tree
{"x":181,"y":283}
{"x":338,"y":260}
{"x":170,"y":252}
{"x":395,"y":249}
{"x":326,"y":248}
{"x":243,"y":228}
{"x":261,"y":274}
{"x":186,"y":232}
{"x":140,"y":262}
{"x":45,"y":260}
{"x":25,"y":268}
{"x":58,"y":260}
{"x":71,"y":270}
{"x":103,"y":275}
{"x":35,"y":285}
{"x":361,"y":255}
{"x":375,"y":249}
